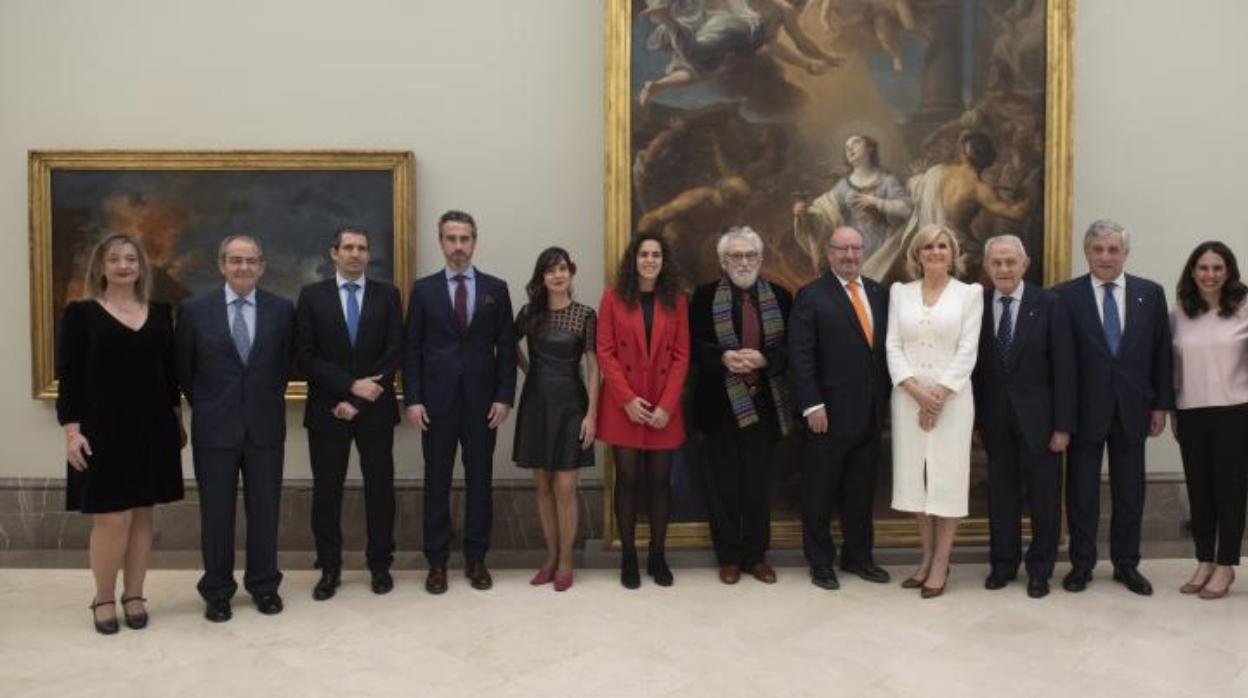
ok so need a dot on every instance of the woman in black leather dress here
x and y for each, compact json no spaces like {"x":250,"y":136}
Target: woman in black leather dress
{"x":556,"y":418}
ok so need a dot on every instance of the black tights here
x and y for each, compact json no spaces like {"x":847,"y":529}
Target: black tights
{"x":628,"y":465}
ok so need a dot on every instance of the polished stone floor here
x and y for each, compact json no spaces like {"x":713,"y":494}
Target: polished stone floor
{"x":699,"y":638}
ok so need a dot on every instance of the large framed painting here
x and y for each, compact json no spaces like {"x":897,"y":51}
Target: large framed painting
{"x":796,"y":116}
{"x":180,"y":204}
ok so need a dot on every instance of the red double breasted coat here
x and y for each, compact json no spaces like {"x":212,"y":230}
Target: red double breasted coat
{"x":630,"y":369}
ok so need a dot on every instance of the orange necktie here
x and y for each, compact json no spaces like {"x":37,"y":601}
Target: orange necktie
{"x":860,"y":309}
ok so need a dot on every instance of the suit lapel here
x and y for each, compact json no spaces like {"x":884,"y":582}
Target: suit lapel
{"x":1028,"y":316}
{"x":656,"y":332}
{"x":1086,"y":311}
{"x":442,"y":298}
{"x":262,"y":314}
{"x":223,"y":325}
{"x":1133,"y":304}
{"x":840,"y":297}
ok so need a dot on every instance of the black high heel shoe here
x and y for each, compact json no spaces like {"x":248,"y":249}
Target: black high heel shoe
{"x":630,"y":577}
{"x":137,"y":621}
{"x":656,"y":566}
{"x":104,"y":627}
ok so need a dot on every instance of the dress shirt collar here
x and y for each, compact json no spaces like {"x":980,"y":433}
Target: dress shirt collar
{"x":342,"y":281}
{"x":1120,"y":282}
{"x":845,"y":282}
{"x":1016,"y":294}
{"x":230,"y":296}
{"x":469,"y":274}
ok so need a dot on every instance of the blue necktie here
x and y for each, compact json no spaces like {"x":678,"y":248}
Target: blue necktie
{"x":1005,"y":330}
{"x":1109,"y":319}
{"x":238,"y":330}
{"x":353,"y":311}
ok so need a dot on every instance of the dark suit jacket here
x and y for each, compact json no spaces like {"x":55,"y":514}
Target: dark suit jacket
{"x":1040,"y":378}
{"x":325,"y":354}
{"x":1137,"y":381}
{"x":830,"y":360}
{"x":710,"y":394}
{"x":230,"y":399}
{"x":440,"y":362}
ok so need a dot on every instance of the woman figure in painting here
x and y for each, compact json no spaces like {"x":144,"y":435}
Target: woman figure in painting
{"x":1210,"y":335}
{"x":118,"y":403}
{"x":933,"y":339}
{"x":869,"y":199}
{"x":557,"y":417}
{"x":643,"y":349}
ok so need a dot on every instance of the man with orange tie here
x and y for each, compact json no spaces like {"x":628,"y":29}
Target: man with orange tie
{"x":840,"y":380}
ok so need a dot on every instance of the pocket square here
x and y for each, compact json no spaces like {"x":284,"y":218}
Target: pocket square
{"x":487,"y":300}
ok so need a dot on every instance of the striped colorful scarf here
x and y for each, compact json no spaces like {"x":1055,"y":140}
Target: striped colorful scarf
{"x":773,"y":334}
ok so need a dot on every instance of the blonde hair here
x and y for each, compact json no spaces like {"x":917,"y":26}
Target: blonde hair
{"x":96,"y":284}
{"x":928,"y":234}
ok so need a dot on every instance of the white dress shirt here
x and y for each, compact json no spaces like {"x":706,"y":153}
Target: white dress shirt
{"x":342,"y":292}
{"x":1120,"y":297}
{"x":470,"y":280}
{"x":997,"y":307}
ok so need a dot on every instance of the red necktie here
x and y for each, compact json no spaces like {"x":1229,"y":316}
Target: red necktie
{"x":461,"y":302}
{"x":751,"y":334}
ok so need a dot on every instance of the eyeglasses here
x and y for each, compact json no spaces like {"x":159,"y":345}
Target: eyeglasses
{"x":856,"y":249}
{"x":242,"y":261}
{"x":739,"y":257}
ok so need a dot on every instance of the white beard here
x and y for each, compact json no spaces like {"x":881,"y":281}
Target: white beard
{"x":743,"y":280}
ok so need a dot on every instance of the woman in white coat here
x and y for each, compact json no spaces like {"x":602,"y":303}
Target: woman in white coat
{"x":933,"y":338}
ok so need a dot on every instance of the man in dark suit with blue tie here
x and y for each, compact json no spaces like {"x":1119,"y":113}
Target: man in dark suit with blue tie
{"x":349,"y":331}
{"x":837,"y":331}
{"x":459,"y":382}
{"x":1025,"y":387}
{"x":1122,"y":344}
{"x":234,"y":351}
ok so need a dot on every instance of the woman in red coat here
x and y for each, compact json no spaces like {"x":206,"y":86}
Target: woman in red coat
{"x":643,"y":351}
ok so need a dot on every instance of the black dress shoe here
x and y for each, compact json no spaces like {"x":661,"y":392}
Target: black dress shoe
{"x":104,"y":627}
{"x":657,"y":567}
{"x":435,"y":581}
{"x":823,"y":577}
{"x":630,"y":575}
{"x":218,"y":610}
{"x":269,"y":604}
{"x":331,"y":577}
{"x":1077,"y":579}
{"x":999,"y":578}
{"x":1037,"y":587}
{"x":1131,"y":578}
{"x":478,"y":576}
{"x":869,"y":571}
{"x":134,"y":621}
{"x":382,"y":582}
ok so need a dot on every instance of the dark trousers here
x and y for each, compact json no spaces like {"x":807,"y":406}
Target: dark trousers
{"x":446,"y":434}
{"x":1013,"y":468}
{"x":1083,"y":496}
{"x":217,"y":471}
{"x":1214,"y":445}
{"x":740,"y":502}
{"x":842,"y":471}
{"x":328,"y":452}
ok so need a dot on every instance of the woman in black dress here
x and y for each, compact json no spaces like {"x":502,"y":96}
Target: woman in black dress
{"x":557,"y":414}
{"x":118,"y":403}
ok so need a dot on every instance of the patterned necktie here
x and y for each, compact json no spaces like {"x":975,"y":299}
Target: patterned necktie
{"x":353,"y":311}
{"x":860,"y":309}
{"x":1005,"y":330}
{"x":751,"y":334}
{"x":1109,"y":319}
{"x":461,"y":302}
{"x":238,"y":330}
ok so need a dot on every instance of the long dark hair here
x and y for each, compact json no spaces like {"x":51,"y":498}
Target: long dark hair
{"x":534,"y":317}
{"x":1233,"y":291}
{"x":627,"y":284}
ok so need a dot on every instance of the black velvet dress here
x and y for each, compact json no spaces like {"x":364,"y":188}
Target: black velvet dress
{"x":554,"y":399}
{"x":120,"y":385}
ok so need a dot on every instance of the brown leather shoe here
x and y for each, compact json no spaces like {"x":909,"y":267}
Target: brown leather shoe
{"x":763,"y":573}
{"x":479,"y":576}
{"x":435,"y":583}
{"x":729,"y":574}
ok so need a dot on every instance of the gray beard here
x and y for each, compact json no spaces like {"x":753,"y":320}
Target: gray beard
{"x":743,"y":280}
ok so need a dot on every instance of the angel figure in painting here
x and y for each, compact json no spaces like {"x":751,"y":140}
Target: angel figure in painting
{"x":869,"y":199}
{"x":886,"y":18}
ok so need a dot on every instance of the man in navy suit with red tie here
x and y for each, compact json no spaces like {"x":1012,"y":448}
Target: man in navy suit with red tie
{"x":1121,"y":327}
{"x":459,"y":382}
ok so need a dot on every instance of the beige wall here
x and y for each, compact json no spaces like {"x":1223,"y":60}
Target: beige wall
{"x":501,"y":100}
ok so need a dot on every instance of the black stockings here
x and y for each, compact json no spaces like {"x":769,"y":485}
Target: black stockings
{"x":629,"y":464}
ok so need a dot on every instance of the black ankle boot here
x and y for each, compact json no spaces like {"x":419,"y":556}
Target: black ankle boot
{"x":630,"y":577}
{"x":656,"y":566}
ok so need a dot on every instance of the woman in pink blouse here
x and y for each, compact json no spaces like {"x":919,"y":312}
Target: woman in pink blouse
{"x":1210,"y":329}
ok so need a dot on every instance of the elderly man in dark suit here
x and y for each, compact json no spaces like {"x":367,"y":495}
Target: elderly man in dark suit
{"x":840,"y":378}
{"x":459,"y":382}
{"x":741,"y":399}
{"x":349,"y":331}
{"x":1025,"y":384}
{"x":1122,"y":345}
{"x":234,"y":352}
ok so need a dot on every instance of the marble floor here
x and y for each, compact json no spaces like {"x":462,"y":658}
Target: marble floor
{"x":699,"y":638}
